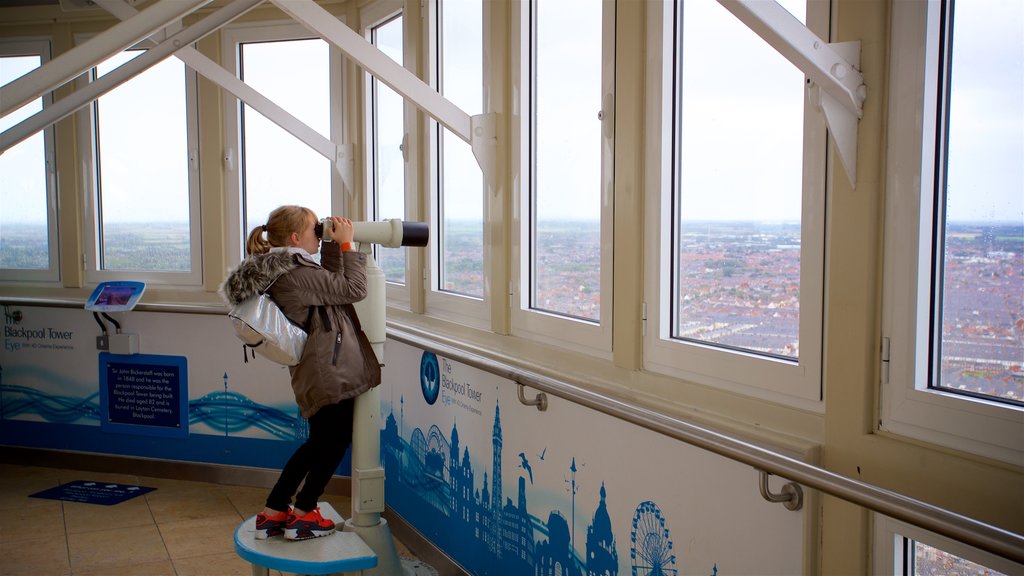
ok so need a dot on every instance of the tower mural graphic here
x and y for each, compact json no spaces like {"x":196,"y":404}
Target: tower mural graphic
{"x":431,"y":482}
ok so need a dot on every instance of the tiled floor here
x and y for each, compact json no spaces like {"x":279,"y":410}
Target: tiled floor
{"x":182,"y":528}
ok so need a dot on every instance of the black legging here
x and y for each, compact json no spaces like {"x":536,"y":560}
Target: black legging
{"x":330,"y":433}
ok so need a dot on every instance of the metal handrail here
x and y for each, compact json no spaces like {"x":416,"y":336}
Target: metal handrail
{"x":939,"y":520}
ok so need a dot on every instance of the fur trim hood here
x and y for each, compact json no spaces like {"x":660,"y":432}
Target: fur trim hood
{"x":255,"y":274}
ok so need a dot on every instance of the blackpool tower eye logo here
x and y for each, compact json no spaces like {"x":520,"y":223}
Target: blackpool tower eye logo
{"x":430,"y":377}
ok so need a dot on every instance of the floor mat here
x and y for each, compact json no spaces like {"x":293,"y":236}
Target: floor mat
{"x":103,"y":493}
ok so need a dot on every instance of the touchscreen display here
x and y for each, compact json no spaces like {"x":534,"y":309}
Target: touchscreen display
{"x":115,"y":296}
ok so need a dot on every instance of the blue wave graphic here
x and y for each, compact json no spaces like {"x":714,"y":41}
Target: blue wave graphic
{"x":22,"y":400}
{"x":224,"y":411}
{"x":232,"y":413}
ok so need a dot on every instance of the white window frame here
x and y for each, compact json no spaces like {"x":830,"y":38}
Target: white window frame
{"x":594,"y":338}
{"x":85,"y":122}
{"x":270,"y":31}
{"x":908,"y":407}
{"x":888,"y":556}
{"x":797,"y":384}
{"x":465,"y":310}
{"x":39,"y":46}
{"x":371,"y":16}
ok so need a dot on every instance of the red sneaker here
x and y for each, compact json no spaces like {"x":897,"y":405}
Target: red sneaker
{"x":267,"y":526}
{"x":312,"y":525}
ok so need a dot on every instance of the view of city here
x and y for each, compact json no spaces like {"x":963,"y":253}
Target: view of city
{"x":983,"y":310}
{"x":929,"y":561}
{"x":737,"y":284}
{"x":567,"y":269}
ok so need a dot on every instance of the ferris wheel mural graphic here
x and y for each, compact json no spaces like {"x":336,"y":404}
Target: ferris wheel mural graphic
{"x":650,"y":550}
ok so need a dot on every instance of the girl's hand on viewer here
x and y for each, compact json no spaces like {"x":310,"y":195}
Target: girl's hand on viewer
{"x":342,"y":231}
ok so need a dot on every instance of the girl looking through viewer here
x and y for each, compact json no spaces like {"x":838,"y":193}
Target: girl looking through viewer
{"x":337,"y":363}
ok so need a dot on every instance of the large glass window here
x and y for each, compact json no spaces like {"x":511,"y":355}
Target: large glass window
{"x":28,"y":239}
{"x":144,"y":169}
{"x":953,"y":339}
{"x":563,"y":174}
{"x":739,"y":188}
{"x":276,"y":167}
{"x":387,"y":138}
{"x":459,"y":58}
{"x":979,"y":311}
{"x":565,"y":231}
{"x":740,"y":284}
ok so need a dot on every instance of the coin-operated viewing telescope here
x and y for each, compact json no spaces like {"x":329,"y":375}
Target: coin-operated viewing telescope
{"x":367,"y":471}
{"x":389,"y":233}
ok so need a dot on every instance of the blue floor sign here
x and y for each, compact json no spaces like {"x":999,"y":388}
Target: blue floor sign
{"x":90,"y":492}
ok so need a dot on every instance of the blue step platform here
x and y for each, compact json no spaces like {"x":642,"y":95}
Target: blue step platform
{"x":341,"y":552}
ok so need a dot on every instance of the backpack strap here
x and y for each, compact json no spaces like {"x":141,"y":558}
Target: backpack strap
{"x":350,"y":310}
{"x":325,"y":320}
{"x":308,"y":324}
{"x":321,"y":311}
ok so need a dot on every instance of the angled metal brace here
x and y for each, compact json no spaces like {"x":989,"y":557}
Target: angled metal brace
{"x":82,"y":97}
{"x":841,"y":121}
{"x":479,"y":132}
{"x":215,"y":73}
{"x":72,"y":63}
{"x":838,"y":86}
{"x":484,"y":143}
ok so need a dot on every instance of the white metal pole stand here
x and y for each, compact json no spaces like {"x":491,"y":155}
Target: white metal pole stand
{"x":367,"y":471}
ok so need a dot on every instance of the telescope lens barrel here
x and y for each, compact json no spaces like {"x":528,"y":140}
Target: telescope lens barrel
{"x":415,"y":233}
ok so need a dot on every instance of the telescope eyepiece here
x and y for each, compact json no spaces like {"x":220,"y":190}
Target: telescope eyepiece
{"x":319,"y":229}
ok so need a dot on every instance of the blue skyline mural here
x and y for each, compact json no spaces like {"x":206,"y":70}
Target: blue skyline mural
{"x":432,"y":482}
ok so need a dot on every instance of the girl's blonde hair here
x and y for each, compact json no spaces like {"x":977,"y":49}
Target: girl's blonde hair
{"x":282,"y":222}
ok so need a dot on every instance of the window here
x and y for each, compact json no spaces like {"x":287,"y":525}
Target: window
{"x":144,"y":209}
{"x":386,"y":146}
{"x":460,"y":63}
{"x":274,"y":167}
{"x":28,"y":221}
{"x":736,"y":287}
{"x":458,"y":250}
{"x":565,"y":169}
{"x":982,"y":244}
{"x":953,"y":338}
{"x":906,"y":550}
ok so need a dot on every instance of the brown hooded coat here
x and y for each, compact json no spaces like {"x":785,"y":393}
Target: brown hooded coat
{"x":338,"y":361}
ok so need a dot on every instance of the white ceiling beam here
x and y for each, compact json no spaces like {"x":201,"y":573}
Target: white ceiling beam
{"x":247,"y":94}
{"x":322,"y":22}
{"x":74,"y":62}
{"x":82,"y":97}
{"x":479,"y":131}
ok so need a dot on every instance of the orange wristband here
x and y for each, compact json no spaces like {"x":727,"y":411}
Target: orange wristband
{"x":346,"y":247}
